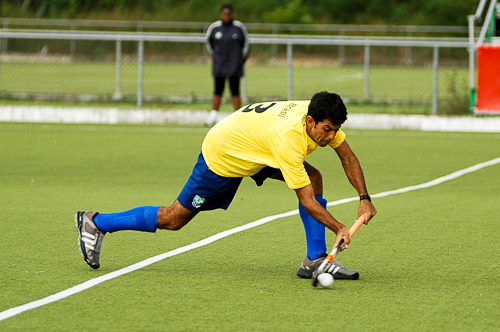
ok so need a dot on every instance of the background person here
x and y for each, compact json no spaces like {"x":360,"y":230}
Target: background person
{"x":227,"y":43}
{"x":264,"y":140}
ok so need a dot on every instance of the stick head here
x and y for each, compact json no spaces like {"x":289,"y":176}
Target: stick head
{"x":329,"y":259}
{"x":324,"y":266}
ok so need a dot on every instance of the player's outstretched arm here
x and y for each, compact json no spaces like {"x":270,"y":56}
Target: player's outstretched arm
{"x":352,"y":168}
{"x":315,"y":210}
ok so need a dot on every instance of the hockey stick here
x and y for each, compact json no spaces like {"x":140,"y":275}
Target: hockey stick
{"x":329,"y":259}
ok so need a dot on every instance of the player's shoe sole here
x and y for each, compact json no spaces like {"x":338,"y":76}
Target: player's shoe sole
{"x":308,"y":267}
{"x":89,"y":238}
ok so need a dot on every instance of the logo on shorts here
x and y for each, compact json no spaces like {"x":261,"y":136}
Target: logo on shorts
{"x":198,"y":201}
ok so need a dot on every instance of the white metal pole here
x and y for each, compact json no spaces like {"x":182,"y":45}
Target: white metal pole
{"x":118,"y":93}
{"x":274,"y":47}
{"x":342,"y":49}
{"x":3,"y":46}
{"x":72,"y":43}
{"x":367,"y":72}
{"x":486,"y":23}
{"x":480,"y":8}
{"x":472,"y":58}
{"x":435,"y":68}
{"x":409,"y":50}
{"x":141,"y":61}
{"x":290,"y":80}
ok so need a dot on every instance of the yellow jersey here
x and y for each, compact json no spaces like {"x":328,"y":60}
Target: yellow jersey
{"x":263,"y":134}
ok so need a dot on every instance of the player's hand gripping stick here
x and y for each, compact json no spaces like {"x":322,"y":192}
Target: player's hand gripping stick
{"x":323,"y":267}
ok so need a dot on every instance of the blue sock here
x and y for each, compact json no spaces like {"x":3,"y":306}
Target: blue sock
{"x":144,"y":218}
{"x":315,"y":231}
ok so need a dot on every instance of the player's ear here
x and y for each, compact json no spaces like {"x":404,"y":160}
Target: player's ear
{"x":310,"y":121}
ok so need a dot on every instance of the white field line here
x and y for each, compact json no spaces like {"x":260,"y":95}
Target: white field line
{"x":137,"y":266}
{"x":434,"y":182}
{"x":348,"y":77}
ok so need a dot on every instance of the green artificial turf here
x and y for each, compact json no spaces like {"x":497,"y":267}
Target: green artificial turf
{"x":428,"y":261}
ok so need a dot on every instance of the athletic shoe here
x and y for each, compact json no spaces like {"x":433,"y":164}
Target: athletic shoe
{"x":89,"y":238}
{"x":212,"y":119}
{"x":339,"y":272}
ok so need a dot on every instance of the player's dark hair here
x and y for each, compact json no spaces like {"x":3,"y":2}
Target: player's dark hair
{"x":226,"y":6}
{"x":326,"y":105}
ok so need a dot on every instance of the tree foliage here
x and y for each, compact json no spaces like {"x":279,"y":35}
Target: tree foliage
{"x":428,"y":12}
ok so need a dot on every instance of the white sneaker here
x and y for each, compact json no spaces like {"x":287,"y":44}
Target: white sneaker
{"x":89,"y":238}
{"x":212,"y":118}
{"x":338,"y":270}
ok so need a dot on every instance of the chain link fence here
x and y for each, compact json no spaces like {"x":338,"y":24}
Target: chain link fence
{"x":429,"y":73}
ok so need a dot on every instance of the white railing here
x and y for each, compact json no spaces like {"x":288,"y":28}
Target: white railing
{"x":15,"y":23}
{"x":289,"y":41}
{"x":271,"y":28}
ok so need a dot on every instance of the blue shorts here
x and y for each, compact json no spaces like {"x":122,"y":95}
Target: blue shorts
{"x":206,"y":190}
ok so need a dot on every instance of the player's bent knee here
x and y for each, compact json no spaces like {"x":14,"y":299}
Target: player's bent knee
{"x":173,"y":226}
{"x":315,"y":176}
{"x":174,"y":217}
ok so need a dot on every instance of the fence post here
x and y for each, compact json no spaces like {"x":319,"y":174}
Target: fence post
{"x":118,"y":93}
{"x":408,"y":50}
{"x":435,"y":68}
{"x":341,"y":48}
{"x":141,"y":72}
{"x":3,"y":46}
{"x":367,"y":72}
{"x":289,"y":62}
{"x":274,"y":47}
{"x":72,"y":44}
{"x":3,"y":41}
{"x":139,"y":85}
{"x":472,"y":65}
{"x":205,"y":51}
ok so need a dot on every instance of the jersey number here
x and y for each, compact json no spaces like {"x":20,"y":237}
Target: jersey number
{"x":258,"y":108}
